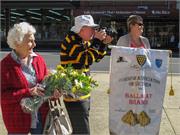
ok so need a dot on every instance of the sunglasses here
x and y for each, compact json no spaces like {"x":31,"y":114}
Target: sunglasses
{"x":140,"y":24}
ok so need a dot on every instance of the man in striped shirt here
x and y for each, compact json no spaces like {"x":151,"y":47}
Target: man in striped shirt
{"x":82,"y":46}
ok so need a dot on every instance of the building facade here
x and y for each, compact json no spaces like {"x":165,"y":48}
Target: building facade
{"x":53,"y":19}
{"x":161,"y":19}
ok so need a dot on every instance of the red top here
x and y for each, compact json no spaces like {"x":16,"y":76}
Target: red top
{"x":14,"y":87}
{"x":133,"y":45}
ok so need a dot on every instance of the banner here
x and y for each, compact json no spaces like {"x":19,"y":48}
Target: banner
{"x":137,"y":88}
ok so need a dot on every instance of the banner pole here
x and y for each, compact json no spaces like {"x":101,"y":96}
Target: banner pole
{"x":171,"y":92}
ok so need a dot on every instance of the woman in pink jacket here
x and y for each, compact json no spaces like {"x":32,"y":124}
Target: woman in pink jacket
{"x":21,"y":71}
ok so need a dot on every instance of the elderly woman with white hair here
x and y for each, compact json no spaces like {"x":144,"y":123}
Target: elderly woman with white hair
{"x":21,"y":70}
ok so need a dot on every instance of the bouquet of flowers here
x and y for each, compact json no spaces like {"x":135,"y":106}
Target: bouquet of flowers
{"x":69,"y":81}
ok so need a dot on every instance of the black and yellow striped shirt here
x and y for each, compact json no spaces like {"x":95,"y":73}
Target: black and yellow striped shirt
{"x":81,"y":54}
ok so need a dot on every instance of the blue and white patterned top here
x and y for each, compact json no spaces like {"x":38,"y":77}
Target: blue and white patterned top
{"x":27,"y":69}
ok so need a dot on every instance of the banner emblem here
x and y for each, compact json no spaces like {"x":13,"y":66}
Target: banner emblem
{"x":158,"y":62}
{"x":120,"y":59}
{"x":141,"y":59}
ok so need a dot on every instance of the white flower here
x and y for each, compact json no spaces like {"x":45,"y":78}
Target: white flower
{"x":78,"y":84}
{"x":63,"y":74}
{"x":52,"y":71}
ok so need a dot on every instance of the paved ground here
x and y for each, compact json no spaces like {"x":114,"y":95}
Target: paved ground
{"x":170,"y":121}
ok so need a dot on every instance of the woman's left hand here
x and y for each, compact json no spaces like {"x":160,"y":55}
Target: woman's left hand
{"x":56,"y":94}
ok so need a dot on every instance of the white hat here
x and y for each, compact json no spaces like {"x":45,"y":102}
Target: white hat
{"x":83,"y":20}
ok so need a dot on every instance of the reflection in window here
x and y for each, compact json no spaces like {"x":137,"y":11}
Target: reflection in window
{"x":56,"y":23}
{"x":32,"y":16}
{"x":3,"y":28}
{"x":50,"y":24}
{"x":159,"y":34}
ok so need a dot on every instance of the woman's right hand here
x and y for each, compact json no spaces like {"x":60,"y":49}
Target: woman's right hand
{"x":37,"y":91}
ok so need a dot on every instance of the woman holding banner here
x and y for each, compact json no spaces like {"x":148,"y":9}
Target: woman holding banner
{"x":134,"y":37}
{"x":135,"y":79}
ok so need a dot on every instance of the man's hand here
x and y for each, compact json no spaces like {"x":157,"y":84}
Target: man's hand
{"x":101,"y":35}
{"x":107,"y":40}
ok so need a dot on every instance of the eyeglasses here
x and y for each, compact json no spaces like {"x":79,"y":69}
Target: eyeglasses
{"x":140,"y":24}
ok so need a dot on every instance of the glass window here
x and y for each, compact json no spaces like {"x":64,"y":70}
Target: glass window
{"x":32,"y":16}
{"x":56,"y":23}
{"x":51,"y":24}
{"x":3,"y":28}
{"x":161,"y":34}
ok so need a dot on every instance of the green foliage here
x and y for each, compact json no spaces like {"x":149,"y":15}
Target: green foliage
{"x":73,"y":83}
{"x":70,"y":81}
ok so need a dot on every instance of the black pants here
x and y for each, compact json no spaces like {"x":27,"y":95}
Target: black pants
{"x":79,"y":116}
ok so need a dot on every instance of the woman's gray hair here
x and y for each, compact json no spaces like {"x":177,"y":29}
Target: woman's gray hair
{"x":17,"y":32}
{"x":132,"y":20}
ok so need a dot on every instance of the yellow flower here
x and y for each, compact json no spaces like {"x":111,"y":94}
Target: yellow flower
{"x":74,"y":89}
{"x":59,"y":67}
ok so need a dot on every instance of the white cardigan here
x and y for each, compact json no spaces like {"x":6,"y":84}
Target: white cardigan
{"x":126,"y":41}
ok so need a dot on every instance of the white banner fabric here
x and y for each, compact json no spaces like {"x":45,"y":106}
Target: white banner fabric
{"x":137,"y":88}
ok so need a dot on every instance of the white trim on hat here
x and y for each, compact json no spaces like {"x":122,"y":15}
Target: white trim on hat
{"x":76,"y":29}
{"x":83,"y":20}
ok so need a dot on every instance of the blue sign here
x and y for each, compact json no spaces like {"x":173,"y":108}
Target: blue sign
{"x":158,"y":62}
